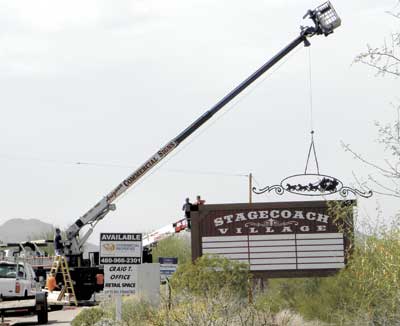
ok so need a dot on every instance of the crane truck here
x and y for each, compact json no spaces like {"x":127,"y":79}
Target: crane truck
{"x":324,"y":22}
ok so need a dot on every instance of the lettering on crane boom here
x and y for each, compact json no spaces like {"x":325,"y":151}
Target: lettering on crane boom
{"x":141,"y":171}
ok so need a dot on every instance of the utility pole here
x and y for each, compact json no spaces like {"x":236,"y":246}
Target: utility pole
{"x":250,"y":188}
{"x":250,"y":281}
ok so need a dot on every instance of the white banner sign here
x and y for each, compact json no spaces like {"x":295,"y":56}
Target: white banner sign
{"x":120,"y":253}
{"x":120,"y":279}
{"x":120,"y":248}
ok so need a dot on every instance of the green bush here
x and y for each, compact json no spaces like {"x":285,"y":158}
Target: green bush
{"x":209,"y":275}
{"x":136,"y":312}
{"x":175,"y":246}
{"x":89,"y":316}
{"x":367,"y":292}
{"x":222,"y":309}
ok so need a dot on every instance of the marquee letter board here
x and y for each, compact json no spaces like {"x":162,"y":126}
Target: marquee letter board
{"x":281,"y":239}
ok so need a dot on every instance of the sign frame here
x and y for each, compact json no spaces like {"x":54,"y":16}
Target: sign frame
{"x":168,"y":266}
{"x":203,"y":225}
{"x":119,"y":262}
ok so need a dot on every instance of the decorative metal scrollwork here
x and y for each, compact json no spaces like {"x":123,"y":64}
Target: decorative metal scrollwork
{"x":278,"y":189}
{"x":312,"y":185}
{"x":344,"y":192}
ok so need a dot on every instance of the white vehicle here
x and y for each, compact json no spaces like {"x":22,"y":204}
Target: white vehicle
{"x":152,"y":238}
{"x":17,"y":279}
{"x":27,"y":249}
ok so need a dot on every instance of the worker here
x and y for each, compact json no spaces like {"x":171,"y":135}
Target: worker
{"x":51,"y":283}
{"x":147,"y":255}
{"x":187,"y":207}
{"x":99,"y":282}
{"x":58,"y":246}
{"x":199,"y":201}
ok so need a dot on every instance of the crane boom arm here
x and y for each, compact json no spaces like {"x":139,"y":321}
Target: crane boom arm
{"x":106,"y":204}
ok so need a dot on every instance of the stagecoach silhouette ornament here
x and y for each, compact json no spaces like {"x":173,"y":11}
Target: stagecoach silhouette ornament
{"x":312,"y":184}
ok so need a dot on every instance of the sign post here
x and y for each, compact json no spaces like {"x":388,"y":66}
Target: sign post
{"x":120,"y":253}
{"x":168,"y":266}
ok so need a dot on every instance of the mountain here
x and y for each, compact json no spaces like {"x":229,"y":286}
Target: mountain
{"x":18,"y":229}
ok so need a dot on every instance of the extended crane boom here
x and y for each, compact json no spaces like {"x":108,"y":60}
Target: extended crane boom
{"x":325,"y":21}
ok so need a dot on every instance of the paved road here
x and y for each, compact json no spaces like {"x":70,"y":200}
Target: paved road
{"x":62,"y":317}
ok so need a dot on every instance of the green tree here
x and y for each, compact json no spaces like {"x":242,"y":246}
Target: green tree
{"x":175,"y":246}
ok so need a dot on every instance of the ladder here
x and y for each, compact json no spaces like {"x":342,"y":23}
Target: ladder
{"x":60,"y":263}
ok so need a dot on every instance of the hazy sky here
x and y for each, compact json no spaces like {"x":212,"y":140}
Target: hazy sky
{"x":110,"y":82}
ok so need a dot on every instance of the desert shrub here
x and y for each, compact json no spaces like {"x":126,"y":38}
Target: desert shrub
{"x":106,"y":322}
{"x":136,"y":312}
{"x":210,"y":275}
{"x":372,"y":279}
{"x":366,"y":292}
{"x":89,"y":316}
{"x":223,"y":310}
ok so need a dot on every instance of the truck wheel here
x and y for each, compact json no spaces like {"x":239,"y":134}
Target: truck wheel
{"x":43,"y":314}
{"x":41,"y":303}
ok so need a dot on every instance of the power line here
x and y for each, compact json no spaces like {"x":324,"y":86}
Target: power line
{"x":124,"y":166}
{"x":229,"y":109}
{"x":206,"y":173}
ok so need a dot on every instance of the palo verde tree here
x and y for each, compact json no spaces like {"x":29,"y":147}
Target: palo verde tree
{"x":385,"y":60}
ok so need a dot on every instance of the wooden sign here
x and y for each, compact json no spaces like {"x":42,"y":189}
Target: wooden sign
{"x":282,"y":239}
